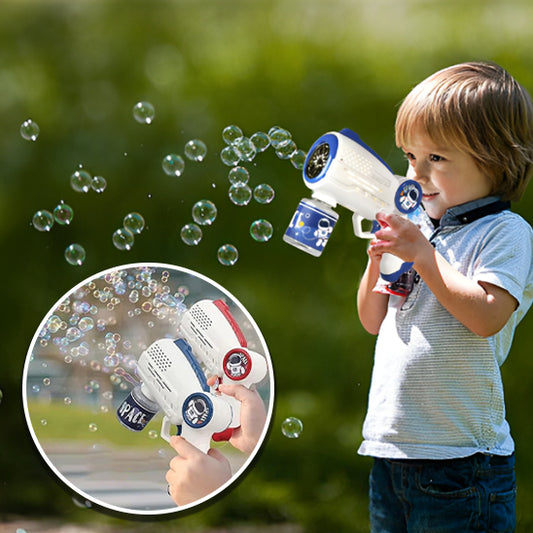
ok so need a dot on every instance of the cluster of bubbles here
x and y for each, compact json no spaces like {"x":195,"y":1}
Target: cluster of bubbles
{"x":87,"y":332}
{"x":83,"y":181}
{"x":123,"y":238}
{"x":62,"y":214}
{"x":238,"y":149}
{"x":292,"y":427}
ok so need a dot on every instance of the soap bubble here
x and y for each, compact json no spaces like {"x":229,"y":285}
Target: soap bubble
{"x":173,"y":165}
{"x":98,"y":184}
{"x":204,"y":212}
{"x":279,"y":137}
{"x":134,"y":222}
{"x":261,"y":230}
{"x":240,"y":194}
{"x":227,"y":254}
{"x":81,"y":181}
{"x":191,"y":234}
{"x":195,"y":150}
{"x":229,"y":156}
{"x":75,"y":254}
{"x":245,"y":148}
{"x":261,"y":141}
{"x":123,"y":239}
{"x":238,"y":175}
{"x":93,"y":427}
{"x":292,"y":427}
{"x":29,"y":130}
{"x":231,"y":133}
{"x":43,"y":220}
{"x":287,"y":150}
{"x":63,"y":214}
{"x":298,"y":159}
{"x":143,"y":112}
{"x":264,"y":193}
{"x":86,"y":323}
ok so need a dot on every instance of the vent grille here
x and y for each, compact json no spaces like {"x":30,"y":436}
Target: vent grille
{"x":201,"y":318}
{"x":160,"y":358}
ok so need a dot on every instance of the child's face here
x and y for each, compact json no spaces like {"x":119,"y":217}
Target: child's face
{"x":447,"y":176}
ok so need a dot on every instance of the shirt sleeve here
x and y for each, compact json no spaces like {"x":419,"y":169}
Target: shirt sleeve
{"x":505,"y":256}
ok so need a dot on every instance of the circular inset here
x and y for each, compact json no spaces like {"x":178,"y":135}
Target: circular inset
{"x":99,"y":368}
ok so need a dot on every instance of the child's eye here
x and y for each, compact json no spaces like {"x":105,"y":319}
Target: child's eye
{"x":409,"y":156}
{"x":434,"y":158}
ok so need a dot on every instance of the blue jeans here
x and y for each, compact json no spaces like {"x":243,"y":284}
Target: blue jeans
{"x":475,"y":493}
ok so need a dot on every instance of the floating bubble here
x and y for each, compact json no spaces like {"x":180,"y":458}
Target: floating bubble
{"x":134,"y":222}
{"x":287,"y":150}
{"x":75,"y":254}
{"x":98,"y":184}
{"x":43,"y":220}
{"x":238,"y":175}
{"x":67,"y":400}
{"x":111,"y":361}
{"x":195,"y":150}
{"x":191,"y":234}
{"x":29,"y":130}
{"x":245,"y":148}
{"x":93,"y":427}
{"x":261,"y":141}
{"x":173,"y":165}
{"x":46,"y":382}
{"x":44,"y":422}
{"x":298,"y":159}
{"x":143,"y":112}
{"x":264,"y":193}
{"x":232,"y":133}
{"x":152,"y":434}
{"x":240,"y":194}
{"x":123,"y":239}
{"x":86,"y":323}
{"x":292,"y":427}
{"x":227,"y":255}
{"x":63,"y":214}
{"x":204,"y":212}
{"x":279,"y":137}
{"x":229,"y":156}
{"x":81,"y":181}
{"x":261,"y":230}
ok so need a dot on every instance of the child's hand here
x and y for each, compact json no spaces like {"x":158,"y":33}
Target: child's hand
{"x":253,"y":417}
{"x":399,"y":237}
{"x":194,"y":474}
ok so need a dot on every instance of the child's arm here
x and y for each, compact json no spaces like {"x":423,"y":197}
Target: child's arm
{"x":371,"y":306}
{"x":483,"y":308}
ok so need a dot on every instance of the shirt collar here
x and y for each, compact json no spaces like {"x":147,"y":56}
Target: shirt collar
{"x":470,"y":211}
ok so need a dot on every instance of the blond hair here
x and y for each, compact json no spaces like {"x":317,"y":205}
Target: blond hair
{"x":481,"y":110}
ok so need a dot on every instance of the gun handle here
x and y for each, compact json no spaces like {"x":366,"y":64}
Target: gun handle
{"x":165,"y":429}
{"x":392,"y":267}
{"x":357,"y":221}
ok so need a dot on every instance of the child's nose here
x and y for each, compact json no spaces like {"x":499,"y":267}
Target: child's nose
{"x":418,"y":171}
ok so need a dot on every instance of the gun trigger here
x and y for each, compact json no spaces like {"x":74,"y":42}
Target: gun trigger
{"x":223,"y":435}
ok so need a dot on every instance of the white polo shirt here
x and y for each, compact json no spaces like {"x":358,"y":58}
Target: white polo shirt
{"x":436,"y":389}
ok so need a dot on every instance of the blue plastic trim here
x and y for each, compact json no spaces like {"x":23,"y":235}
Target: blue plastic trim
{"x":395,"y":275}
{"x":354,"y":137}
{"x":186,"y":349}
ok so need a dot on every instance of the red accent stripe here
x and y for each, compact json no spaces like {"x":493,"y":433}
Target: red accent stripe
{"x":224,"y":309}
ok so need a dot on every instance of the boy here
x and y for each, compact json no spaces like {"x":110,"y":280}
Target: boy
{"x":444,"y":456}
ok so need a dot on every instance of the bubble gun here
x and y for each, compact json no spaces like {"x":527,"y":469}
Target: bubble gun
{"x":174,"y":382}
{"x":341,"y":169}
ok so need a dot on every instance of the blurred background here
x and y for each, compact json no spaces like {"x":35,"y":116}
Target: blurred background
{"x":78,"y":68}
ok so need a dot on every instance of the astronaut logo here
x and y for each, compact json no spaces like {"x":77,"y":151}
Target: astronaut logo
{"x":237,"y":364}
{"x":197,"y":410}
{"x":409,"y":196}
{"x":323,"y":232}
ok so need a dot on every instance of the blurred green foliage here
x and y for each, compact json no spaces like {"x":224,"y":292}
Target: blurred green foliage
{"x":77,"y":69}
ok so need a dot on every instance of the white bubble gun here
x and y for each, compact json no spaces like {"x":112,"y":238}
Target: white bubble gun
{"x":173,"y":381}
{"x":218,"y":342}
{"x":341,"y":169}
